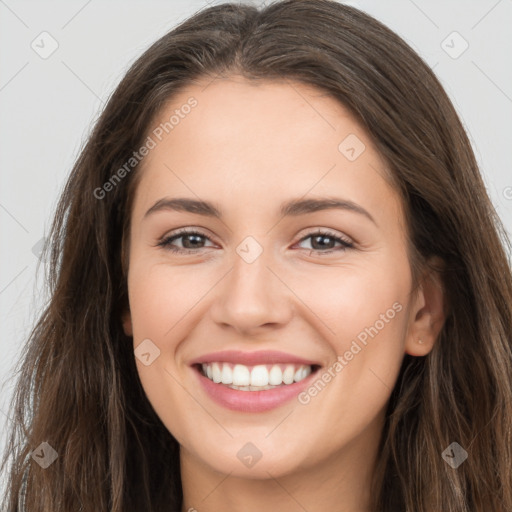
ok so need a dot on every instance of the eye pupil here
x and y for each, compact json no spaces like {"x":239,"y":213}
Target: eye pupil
{"x":196,"y":239}
{"x":321,"y":239}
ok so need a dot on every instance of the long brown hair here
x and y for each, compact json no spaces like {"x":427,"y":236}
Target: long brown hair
{"x":78,"y":387}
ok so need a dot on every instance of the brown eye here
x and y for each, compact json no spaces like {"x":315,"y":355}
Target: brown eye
{"x":191,"y":241}
{"x":324,"y":242}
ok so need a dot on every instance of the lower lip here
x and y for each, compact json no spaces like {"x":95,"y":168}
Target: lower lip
{"x":252,"y":401}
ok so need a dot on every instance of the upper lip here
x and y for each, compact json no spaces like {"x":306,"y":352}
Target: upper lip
{"x":252,"y":358}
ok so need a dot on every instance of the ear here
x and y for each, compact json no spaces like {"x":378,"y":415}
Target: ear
{"x":428,"y":312}
{"x":127,"y":323}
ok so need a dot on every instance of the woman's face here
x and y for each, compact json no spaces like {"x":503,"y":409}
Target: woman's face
{"x":297,"y":263}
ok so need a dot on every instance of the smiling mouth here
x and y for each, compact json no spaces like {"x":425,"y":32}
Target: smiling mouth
{"x":255,"y":378}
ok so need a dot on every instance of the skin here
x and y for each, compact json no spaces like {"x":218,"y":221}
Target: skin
{"x":248,"y":148}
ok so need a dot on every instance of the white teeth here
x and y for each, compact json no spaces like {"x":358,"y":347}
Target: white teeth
{"x":275,"y":376}
{"x":241,"y":375}
{"x":227,"y":374}
{"x":301,"y":373}
{"x":306,"y":370}
{"x":217,"y":373}
{"x":288,"y":374}
{"x":255,"y":378}
{"x":259,"y":376}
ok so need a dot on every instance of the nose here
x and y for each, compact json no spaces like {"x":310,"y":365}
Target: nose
{"x":253,"y":297}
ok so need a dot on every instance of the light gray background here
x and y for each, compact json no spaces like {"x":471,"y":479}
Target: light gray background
{"x":47,"y":107}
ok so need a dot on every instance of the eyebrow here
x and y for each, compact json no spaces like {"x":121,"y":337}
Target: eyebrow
{"x":294,"y":207}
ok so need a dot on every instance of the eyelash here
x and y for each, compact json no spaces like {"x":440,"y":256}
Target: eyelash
{"x":166,"y":241}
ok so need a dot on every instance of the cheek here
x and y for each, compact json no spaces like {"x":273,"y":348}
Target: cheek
{"x":365,"y":311}
{"x":161,"y":296}
{"x":164,"y":306}
{"x":362,"y":303}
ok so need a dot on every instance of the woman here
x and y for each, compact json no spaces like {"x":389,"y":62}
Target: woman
{"x":277,"y":281}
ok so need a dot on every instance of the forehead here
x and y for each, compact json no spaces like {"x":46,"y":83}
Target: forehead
{"x":234,"y":108}
{"x":255,"y":141}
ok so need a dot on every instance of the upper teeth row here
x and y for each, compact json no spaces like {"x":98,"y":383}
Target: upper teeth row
{"x":260,"y":375}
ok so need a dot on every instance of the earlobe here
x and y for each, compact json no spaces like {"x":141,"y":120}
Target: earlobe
{"x":428,"y":315}
{"x":127,"y":323}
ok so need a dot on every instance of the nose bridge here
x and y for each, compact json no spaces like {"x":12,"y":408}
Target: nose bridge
{"x":251,"y":295}
{"x":250,"y":278}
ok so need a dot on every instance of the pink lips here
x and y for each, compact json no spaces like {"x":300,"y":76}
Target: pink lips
{"x":252,"y":401}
